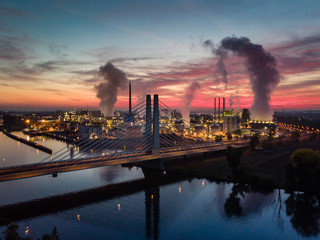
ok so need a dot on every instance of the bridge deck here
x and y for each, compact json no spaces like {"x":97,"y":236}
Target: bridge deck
{"x":32,"y":170}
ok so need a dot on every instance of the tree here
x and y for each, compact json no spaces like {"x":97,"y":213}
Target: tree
{"x":295,"y":136}
{"x":229,"y":136}
{"x":218,"y":138}
{"x":305,"y":158}
{"x":272,"y":131}
{"x":237,"y":132}
{"x":304,"y":171}
{"x":304,"y":210}
{"x":254,"y":141}
{"x":313,"y":136}
{"x":232,"y":206}
{"x":233,"y":157}
{"x":53,"y":236}
{"x":11,"y":233}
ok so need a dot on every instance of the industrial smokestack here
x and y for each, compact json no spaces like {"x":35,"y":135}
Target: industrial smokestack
{"x":224,"y":105}
{"x":215,"y":107}
{"x":262,"y":68}
{"x":129,"y":97}
{"x":219,"y":109}
{"x":107,"y":91}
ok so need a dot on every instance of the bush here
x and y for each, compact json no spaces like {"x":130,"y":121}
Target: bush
{"x":233,"y":157}
{"x":295,"y":136}
{"x":254,"y":141}
{"x":218,"y":138}
{"x":229,"y":136}
{"x":305,"y":158}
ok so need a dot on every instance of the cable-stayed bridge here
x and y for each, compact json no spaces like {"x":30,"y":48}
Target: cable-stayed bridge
{"x":149,"y":135}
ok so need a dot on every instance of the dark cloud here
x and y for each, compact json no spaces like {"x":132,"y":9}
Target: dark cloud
{"x":118,"y":60}
{"x":10,"y":51}
{"x":48,"y":66}
{"x":5,"y":28}
{"x":87,"y":72}
{"x":58,"y":50}
{"x":300,"y":85}
{"x":12,"y":12}
{"x":91,"y":80}
{"x":298,"y":55}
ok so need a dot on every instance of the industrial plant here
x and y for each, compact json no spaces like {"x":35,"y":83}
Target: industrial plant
{"x":219,"y":125}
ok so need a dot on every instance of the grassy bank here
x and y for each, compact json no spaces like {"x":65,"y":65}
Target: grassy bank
{"x":265,"y":168}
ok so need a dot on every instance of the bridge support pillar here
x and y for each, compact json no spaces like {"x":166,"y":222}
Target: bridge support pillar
{"x":148,"y":133}
{"x":153,"y":164}
{"x":156,"y":135}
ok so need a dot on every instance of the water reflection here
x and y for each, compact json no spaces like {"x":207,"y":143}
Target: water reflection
{"x":207,"y":210}
{"x":244,"y":200}
{"x":232,"y":206}
{"x":142,"y":214}
{"x":152,"y":210}
{"x":304,"y":211}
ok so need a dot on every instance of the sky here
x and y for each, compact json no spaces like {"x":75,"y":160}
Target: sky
{"x":51,"y":51}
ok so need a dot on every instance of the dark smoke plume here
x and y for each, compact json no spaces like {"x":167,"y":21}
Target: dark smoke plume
{"x":221,"y":74}
{"x":262,"y":68}
{"x":107,"y":91}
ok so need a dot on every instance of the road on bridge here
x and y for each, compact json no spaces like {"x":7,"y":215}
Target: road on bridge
{"x":32,"y":170}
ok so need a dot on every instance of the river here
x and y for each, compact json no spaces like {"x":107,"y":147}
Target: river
{"x":182,"y":209}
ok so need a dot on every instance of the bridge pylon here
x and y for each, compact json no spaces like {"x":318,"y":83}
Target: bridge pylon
{"x":148,"y":133}
{"x":156,"y":135}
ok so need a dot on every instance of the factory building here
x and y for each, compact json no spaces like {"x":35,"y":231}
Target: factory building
{"x":231,"y":123}
{"x":90,"y":132}
{"x":215,"y":129}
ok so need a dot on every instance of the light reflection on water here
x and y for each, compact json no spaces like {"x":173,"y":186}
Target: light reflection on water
{"x":189,"y":209}
{"x":197,"y":212}
{"x":43,"y":186}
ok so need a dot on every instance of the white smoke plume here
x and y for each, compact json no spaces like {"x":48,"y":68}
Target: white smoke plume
{"x":188,"y":98}
{"x":230,"y":103}
{"x":107,"y":91}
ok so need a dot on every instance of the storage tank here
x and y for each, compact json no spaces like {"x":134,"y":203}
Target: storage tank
{"x":230,"y":123}
{"x":215,"y":129}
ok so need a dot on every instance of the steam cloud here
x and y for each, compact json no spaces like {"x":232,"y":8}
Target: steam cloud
{"x":262,"y":68}
{"x":188,"y":98}
{"x":107,"y":91}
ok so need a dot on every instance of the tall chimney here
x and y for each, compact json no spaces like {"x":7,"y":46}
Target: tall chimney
{"x":224,"y":105}
{"x":129,"y":97}
{"x":215,"y":107}
{"x":219,"y":109}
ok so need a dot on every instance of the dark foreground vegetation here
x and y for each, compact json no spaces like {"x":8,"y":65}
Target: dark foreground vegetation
{"x":292,"y":164}
{"x":11,"y":233}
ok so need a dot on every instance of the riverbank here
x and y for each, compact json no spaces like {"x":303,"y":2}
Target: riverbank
{"x":29,"y":143}
{"x":263,"y":168}
{"x":38,"y":207}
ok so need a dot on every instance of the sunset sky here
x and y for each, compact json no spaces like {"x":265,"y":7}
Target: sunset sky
{"x":50,"y":51}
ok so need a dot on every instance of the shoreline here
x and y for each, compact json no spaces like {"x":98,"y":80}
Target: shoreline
{"x":266,"y":169}
{"x":29,"y":143}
